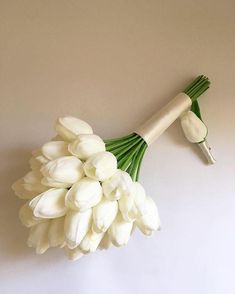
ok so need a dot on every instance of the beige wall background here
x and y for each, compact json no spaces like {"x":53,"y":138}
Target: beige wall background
{"x":113,"y":63}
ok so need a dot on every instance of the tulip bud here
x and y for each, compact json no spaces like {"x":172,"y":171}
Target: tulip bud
{"x":19,"y":190}
{"x":91,"y":241}
{"x":101,"y":166}
{"x":120,"y":231}
{"x":118,"y":185}
{"x":76,"y":226}
{"x":126,"y":207}
{"x":194,"y":129}
{"x":66,"y":169}
{"x":150,"y":221}
{"x":32,"y":182}
{"x":38,"y":237}
{"x":139,"y":199}
{"x":86,"y":145}
{"x":39,"y":157}
{"x":49,"y":204}
{"x":73,"y":254}
{"x":26,"y":216}
{"x":55,"y":149}
{"x":104,"y":214}
{"x":69,"y":127}
{"x":84,"y":194}
{"x":56,"y":235}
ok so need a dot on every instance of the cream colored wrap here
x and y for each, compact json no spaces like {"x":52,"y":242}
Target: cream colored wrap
{"x":160,"y":121}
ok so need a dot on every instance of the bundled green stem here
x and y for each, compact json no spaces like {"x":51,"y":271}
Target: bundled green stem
{"x":197,"y":87}
{"x":129,"y":151}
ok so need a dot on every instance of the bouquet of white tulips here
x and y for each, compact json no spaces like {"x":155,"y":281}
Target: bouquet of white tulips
{"x":83,"y":194}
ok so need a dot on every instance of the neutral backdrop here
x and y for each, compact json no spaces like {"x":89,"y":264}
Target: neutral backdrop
{"x":113,"y":63}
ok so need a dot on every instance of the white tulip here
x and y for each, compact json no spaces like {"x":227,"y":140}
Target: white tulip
{"x":139,"y":198}
{"x":55,"y":149}
{"x":150,"y":221}
{"x":38,"y":237}
{"x":194,"y":129}
{"x":26,"y":216}
{"x":84,"y":194}
{"x":32,"y":182}
{"x":126,"y":207}
{"x":120,"y":231}
{"x":77,"y":224}
{"x":91,"y":241}
{"x":39,"y":157}
{"x":49,"y":204}
{"x":73,"y":254}
{"x":69,"y":127}
{"x":104,"y":214}
{"x":101,"y":166}
{"x":118,"y":185}
{"x":56,"y":234}
{"x":106,"y":242}
{"x":132,"y":205}
{"x":66,"y":169}
{"x":19,"y":190}
{"x":86,"y":145}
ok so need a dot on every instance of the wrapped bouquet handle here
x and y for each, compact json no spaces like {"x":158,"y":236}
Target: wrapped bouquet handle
{"x":83,"y":194}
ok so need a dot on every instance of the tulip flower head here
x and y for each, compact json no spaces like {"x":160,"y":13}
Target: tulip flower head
{"x":82,"y":193}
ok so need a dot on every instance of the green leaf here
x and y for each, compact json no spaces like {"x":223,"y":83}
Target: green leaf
{"x":196,"y":109}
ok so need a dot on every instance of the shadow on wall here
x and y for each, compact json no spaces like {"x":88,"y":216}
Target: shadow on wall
{"x":12,"y":233}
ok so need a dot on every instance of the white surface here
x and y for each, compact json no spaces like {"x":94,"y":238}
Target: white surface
{"x":112,"y":63}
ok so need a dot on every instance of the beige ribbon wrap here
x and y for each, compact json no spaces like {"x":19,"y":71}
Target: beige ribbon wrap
{"x":159,"y":122}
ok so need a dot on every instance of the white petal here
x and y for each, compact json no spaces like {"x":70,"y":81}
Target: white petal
{"x":104,"y":214}
{"x":19,"y":190}
{"x":32,"y":182}
{"x":86,"y":145}
{"x":38,"y":238}
{"x":120,"y":231}
{"x":84,"y":194}
{"x":37,"y":154}
{"x":55,"y":149}
{"x":194,"y":129}
{"x":118,"y":185}
{"x":33,"y":177}
{"x":106,"y":242}
{"x":139,"y":199}
{"x":101,"y":166}
{"x":26,"y":216}
{"x":66,"y":169}
{"x":91,"y":241}
{"x":48,"y":182}
{"x":77,"y":224}
{"x":126,"y":207}
{"x":56,"y":235}
{"x":69,"y":127}
{"x":50,"y":204}
{"x":150,"y":221}
{"x":73,"y":254}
